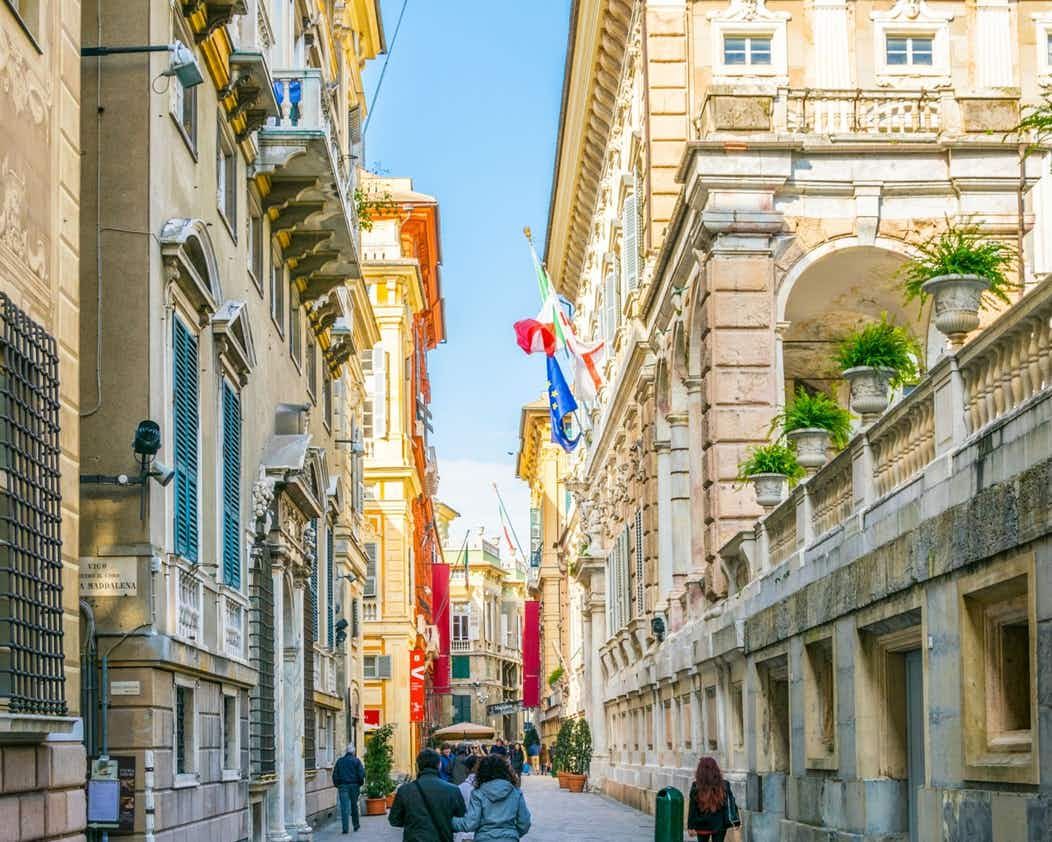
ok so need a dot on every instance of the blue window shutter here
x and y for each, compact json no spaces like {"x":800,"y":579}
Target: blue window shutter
{"x":331,"y":578}
{"x":186,"y":419}
{"x":314,"y":581}
{"x":231,"y":487}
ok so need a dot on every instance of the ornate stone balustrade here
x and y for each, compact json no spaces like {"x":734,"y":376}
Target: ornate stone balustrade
{"x":188,"y":598}
{"x":813,"y":111}
{"x":233,"y":614}
{"x":995,"y":375}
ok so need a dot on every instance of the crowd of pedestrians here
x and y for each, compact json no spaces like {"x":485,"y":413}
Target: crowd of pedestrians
{"x":484,"y":805}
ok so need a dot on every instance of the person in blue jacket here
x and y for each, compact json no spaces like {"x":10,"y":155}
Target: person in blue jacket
{"x":348,"y":775}
{"x":497,"y":811}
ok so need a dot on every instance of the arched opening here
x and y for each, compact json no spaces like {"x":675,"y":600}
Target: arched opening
{"x":831,"y":292}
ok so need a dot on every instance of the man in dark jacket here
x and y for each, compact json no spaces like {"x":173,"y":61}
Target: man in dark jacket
{"x":499,"y":748}
{"x":460,"y":770}
{"x":426,"y":807}
{"x":348,"y":775}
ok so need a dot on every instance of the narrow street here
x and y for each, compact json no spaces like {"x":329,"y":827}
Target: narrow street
{"x":558,"y":816}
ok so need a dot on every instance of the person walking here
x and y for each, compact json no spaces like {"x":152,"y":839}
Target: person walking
{"x":445,"y":763}
{"x":533,"y":751}
{"x":348,"y":775}
{"x":459,"y":771}
{"x":518,"y":757}
{"x":545,"y":768}
{"x":425,"y":808}
{"x":712,"y":807}
{"x":497,"y":811}
{"x":466,"y":788}
{"x":500,"y":748}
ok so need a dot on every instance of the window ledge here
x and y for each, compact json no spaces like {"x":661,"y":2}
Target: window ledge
{"x":33,"y":725}
{"x":231,"y":775}
{"x":185,"y":781}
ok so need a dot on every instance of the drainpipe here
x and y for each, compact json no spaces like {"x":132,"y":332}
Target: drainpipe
{"x":147,"y":795}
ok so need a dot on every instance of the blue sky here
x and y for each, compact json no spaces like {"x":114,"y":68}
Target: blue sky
{"x":469,"y":108}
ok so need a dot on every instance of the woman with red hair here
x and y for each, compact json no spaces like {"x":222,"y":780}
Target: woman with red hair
{"x":712,"y":808}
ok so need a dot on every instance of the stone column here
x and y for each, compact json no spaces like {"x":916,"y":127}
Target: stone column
{"x":680,"y":505}
{"x":292,"y":717}
{"x":664,"y":521}
{"x":276,"y":831}
{"x":594,"y":637}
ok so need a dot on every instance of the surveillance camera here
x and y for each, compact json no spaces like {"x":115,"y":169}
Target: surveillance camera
{"x":162,"y":473}
{"x":147,"y":438}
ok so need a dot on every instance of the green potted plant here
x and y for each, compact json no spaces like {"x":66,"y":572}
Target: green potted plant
{"x":811,"y":423}
{"x":874,"y":359}
{"x":378,"y":762}
{"x":561,"y":752}
{"x":579,"y":759}
{"x":770,"y":468}
{"x":556,"y":676}
{"x":962,"y":270}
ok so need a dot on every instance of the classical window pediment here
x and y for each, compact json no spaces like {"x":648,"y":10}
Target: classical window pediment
{"x":190,"y":264}
{"x":233,"y":332}
{"x":912,"y":44}
{"x":749,"y":40}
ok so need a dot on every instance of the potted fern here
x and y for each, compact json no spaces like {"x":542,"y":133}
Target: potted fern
{"x":378,"y":762}
{"x":580,"y":755}
{"x":874,"y":359}
{"x":770,"y":468}
{"x":812,"y":423}
{"x":962,"y":270}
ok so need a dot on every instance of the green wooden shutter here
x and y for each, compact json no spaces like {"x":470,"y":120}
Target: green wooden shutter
{"x":231,"y":487}
{"x":330,"y":578}
{"x":186,"y":418}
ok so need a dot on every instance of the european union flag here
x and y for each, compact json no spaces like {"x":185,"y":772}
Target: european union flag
{"x":562,"y":404}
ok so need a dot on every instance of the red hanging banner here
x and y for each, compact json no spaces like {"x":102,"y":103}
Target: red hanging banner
{"x":531,"y":656}
{"x":417,"y":680}
{"x":440,"y":600}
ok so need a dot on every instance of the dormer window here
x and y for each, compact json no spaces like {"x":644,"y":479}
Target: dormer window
{"x":741,"y":50}
{"x":909,"y":50}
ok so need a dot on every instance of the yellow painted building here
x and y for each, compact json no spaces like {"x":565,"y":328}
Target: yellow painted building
{"x":487,"y":596}
{"x":543,"y":465}
{"x":400,"y":267}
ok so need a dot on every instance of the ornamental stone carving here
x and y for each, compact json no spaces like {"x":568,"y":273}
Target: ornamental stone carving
{"x":14,"y":223}
{"x":26,"y":92}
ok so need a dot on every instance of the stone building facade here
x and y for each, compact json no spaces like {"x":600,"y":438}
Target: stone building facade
{"x":401,"y":253}
{"x":223,"y":265}
{"x":744,"y":180}
{"x":41,"y":755}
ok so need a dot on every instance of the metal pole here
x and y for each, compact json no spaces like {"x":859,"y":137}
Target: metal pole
{"x":105,"y":705}
{"x":91,"y":52}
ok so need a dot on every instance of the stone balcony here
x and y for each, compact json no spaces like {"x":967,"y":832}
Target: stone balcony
{"x":846,"y":115}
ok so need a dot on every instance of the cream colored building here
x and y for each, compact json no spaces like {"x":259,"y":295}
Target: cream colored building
{"x":40,"y":675}
{"x":222,"y":252}
{"x":736,"y":184}
{"x":486,"y":605}
{"x":401,"y":269}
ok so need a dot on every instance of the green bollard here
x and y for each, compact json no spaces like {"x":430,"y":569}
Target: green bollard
{"x":668,"y":816}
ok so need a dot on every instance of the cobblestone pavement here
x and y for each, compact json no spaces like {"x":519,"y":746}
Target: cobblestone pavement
{"x":558,"y":816}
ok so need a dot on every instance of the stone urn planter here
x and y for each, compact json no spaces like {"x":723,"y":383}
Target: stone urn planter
{"x":955,"y":304}
{"x":771,"y":489}
{"x":576,"y":783}
{"x":375,"y":806}
{"x":870,"y":390}
{"x":811,"y":445}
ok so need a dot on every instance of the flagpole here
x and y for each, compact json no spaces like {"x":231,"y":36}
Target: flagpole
{"x":507,"y":519}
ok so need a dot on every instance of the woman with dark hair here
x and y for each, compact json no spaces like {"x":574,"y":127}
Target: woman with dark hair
{"x":497,"y":811}
{"x":712,"y":807}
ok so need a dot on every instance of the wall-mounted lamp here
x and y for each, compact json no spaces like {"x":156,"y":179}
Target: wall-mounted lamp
{"x":657,"y":626}
{"x":184,"y":66}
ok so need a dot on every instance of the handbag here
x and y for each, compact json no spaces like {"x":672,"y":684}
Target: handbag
{"x":444,"y":834}
{"x":731,"y":816}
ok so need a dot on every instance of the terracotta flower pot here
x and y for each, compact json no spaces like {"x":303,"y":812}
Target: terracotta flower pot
{"x":390,"y":800}
{"x":955,"y":304}
{"x":562,"y":776}
{"x":811,"y":445}
{"x":770,"y":489}
{"x":870,"y":389}
{"x":575,"y":783}
{"x":375,"y":806}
